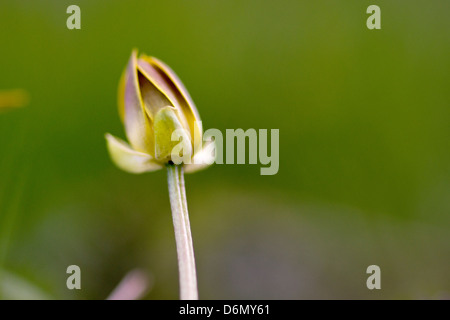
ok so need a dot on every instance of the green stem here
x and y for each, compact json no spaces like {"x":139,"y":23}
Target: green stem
{"x":183,"y":237}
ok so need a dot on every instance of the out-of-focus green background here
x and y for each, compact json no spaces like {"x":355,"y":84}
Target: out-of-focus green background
{"x":364,"y":124}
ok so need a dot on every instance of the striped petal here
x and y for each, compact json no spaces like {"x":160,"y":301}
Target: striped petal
{"x":128,"y":159}
{"x":138,"y":128}
{"x":156,"y":92}
{"x":182,"y":96}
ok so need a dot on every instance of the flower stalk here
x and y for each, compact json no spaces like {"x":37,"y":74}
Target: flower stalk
{"x":157,"y":112}
{"x":183,"y":237}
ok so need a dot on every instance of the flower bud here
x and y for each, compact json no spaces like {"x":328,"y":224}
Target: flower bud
{"x":153,"y":106}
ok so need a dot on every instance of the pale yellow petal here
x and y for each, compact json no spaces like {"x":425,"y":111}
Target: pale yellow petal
{"x":128,"y":159}
{"x":154,"y":95}
{"x":157,"y":93}
{"x":138,"y":127}
{"x":202,"y":159}
{"x":166,"y":123}
{"x":182,"y":96}
{"x":121,"y":95}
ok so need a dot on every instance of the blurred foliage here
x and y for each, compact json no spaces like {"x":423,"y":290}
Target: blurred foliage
{"x":364,"y":147}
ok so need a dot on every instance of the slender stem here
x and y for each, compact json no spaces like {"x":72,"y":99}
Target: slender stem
{"x":183,"y":237}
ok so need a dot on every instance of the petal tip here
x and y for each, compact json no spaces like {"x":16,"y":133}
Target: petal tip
{"x":129,"y":159}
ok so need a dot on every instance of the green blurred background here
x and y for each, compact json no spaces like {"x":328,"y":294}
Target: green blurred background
{"x":364,"y":126}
